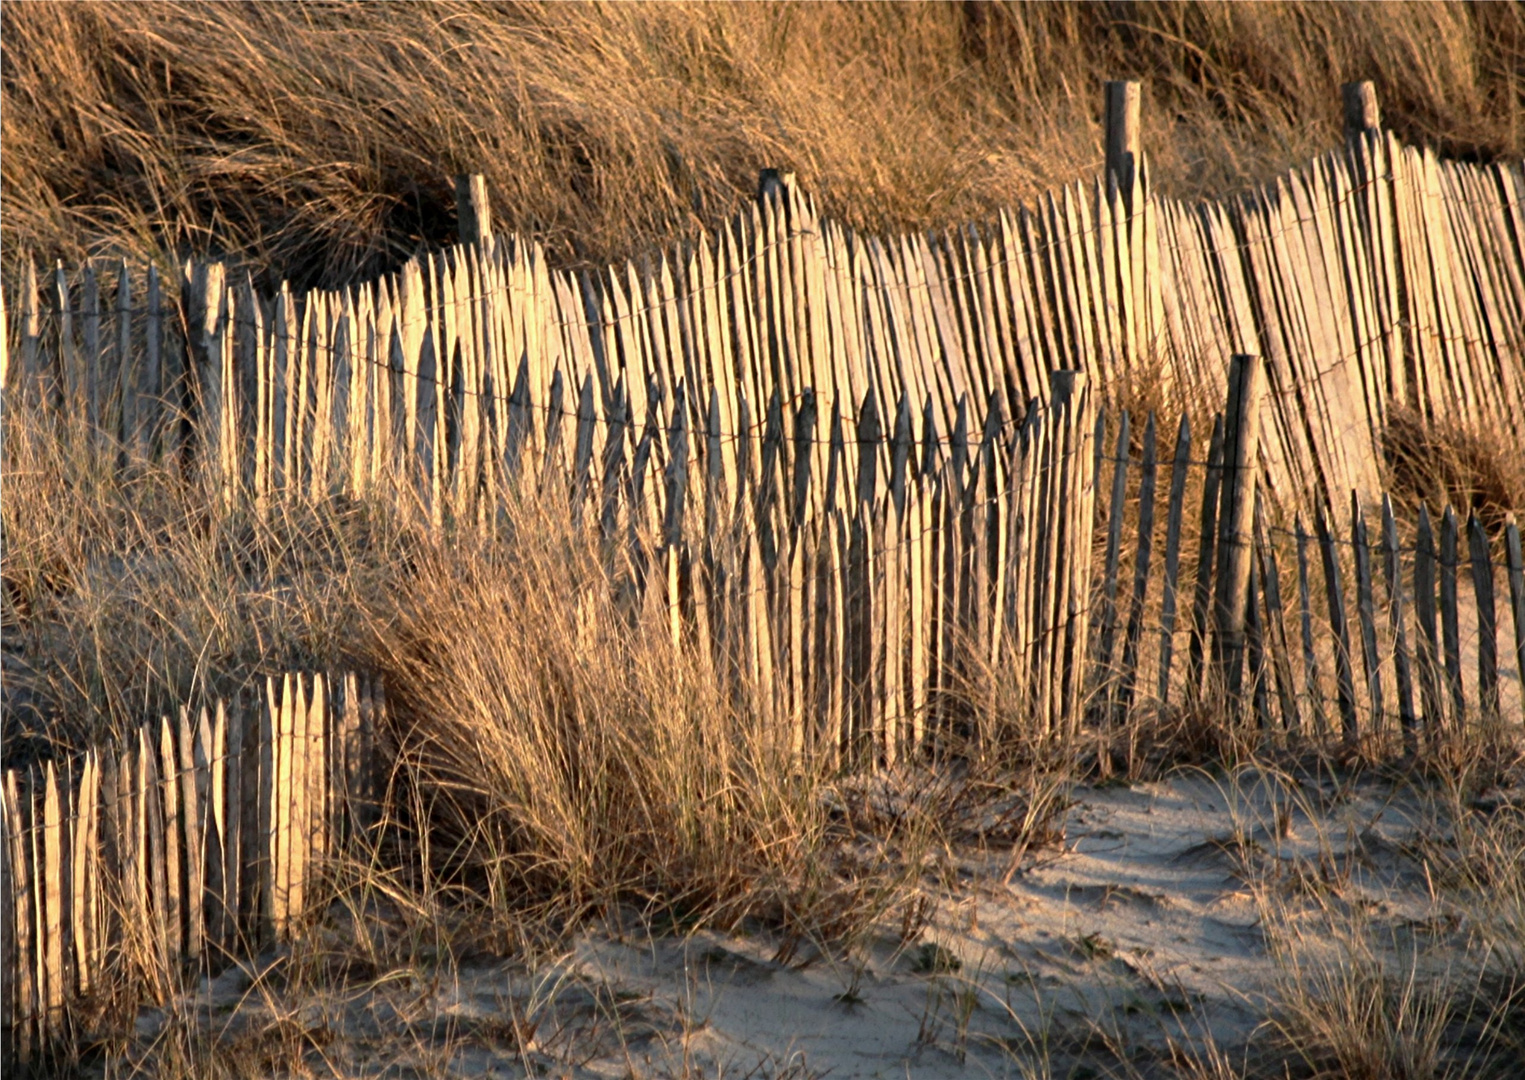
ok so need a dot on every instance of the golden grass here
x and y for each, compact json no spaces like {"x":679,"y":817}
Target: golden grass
{"x":1441,"y":463}
{"x":318,"y":141}
{"x":125,"y":594}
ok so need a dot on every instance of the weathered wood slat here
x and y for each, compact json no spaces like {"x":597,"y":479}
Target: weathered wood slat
{"x":1103,"y":676}
{"x":1516,"y":564}
{"x":207,"y":761}
{"x":53,"y":891}
{"x":1345,"y":689}
{"x":1255,"y":651}
{"x":1206,"y":547}
{"x":1236,"y":541}
{"x":1393,"y":566}
{"x":85,"y":826}
{"x":1178,"y":469}
{"x":1450,"y":564}
{"x":1487,"y":619}
{"x":192,"y":807}
{"x":1427,"y":645}
{"x":172,"y":848}
{"x":1371,"y":660}
{"x":21,"y":911}
{"x":1275,"y":627}
{"x":1129,"y":673}
{"x":1311,"y":684}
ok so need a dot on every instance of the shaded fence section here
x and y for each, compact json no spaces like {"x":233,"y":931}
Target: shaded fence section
{"x":197,"y":839}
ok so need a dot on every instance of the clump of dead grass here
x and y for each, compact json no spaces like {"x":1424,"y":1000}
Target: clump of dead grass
{"x":127,"y":592}
{"x":1448,"y":461}
{"x":1356,"y":997}
{"x":567,"y":759}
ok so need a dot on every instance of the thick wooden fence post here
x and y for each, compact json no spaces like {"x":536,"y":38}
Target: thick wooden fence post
{"x":1362,"y":113}
{"x":473,"y":214}
{"x":1246,"y":383}
{"x":1122,"y":116}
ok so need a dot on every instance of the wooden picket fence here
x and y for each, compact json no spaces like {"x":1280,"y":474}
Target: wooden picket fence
{"x":196,"y":840}
{"x":1377,"y":277}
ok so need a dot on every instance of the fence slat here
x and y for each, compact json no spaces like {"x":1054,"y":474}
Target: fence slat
{"x":155,"y":405}
{"x":1275,"y":626}
{"x":238,"y":797}
{"x":1178,"y":468}
{"x":1516,"y":598}
{"x":277,"y":789}
{"x":8,"y":966}
{"x":82,"y":865}
{"x":1392,"y":561}
{"x":1206,"y":547}
{"x":90,"y":326}
{"x":1255,"y":647}
{"x":192,"y":823}
{"x":1311,"y":684}
{"x":1345,"y":688}
{"x":1450,"y":563}
{"x":317,"y":783}
{"x":209,"y":756}
{"x":21,"y":911}
{"x":1428,"y":643}
{"x":1135,"y":631}
{"x":1487,"y":619}
{"x":1236,"y":518}
{"x":126,"y":376}
{"x":173,"y":849}
{"x":53,"y":888}
{"x":1103,"y":675}
{"x":1371,"y":660}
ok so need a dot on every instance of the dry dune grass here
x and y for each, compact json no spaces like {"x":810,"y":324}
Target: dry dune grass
{"x":318,"y":141}
{"x":1440,"y":462}
{"x":125,"y":594}
{"x":567,"y":759}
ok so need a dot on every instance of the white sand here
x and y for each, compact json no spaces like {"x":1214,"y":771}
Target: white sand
{"x":1139,"y":932}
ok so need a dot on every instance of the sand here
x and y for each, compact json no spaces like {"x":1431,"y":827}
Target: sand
{"x":1137,"y":939}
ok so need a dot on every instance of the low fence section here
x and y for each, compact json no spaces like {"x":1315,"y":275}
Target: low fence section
{"x":196,"y":840}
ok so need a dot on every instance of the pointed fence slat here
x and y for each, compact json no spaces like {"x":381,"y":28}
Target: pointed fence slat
{"x":1345,"y":689}
{"x":1206,"y":547}
{"x":1392,"y":558}
{"x":1371,"y":660}
{"x":1129,"y":673}
{"x":1516,"y":563}
{"x":1178,"y":468}
{"x":1311,"y":685}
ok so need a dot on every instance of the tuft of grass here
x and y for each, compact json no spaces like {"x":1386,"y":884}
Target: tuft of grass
{"x":1436,"y":462}
{"x":126,"y":594}
{"x":566,"y":759}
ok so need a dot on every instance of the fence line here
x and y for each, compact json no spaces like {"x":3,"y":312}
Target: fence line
{"x":862,"y":634}
{"x":1377,"y":277}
